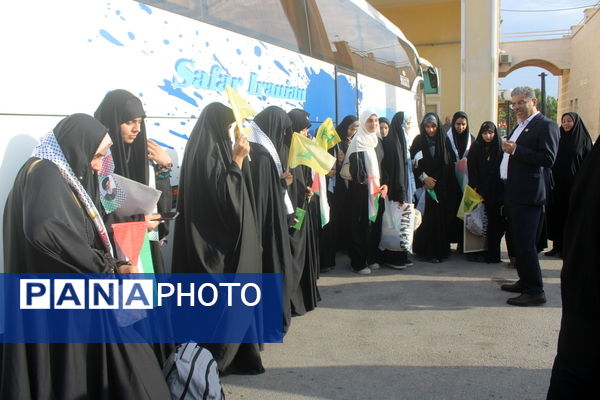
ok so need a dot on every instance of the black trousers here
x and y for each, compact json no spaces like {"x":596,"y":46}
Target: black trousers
{"x":361,"y":228}
{"x":526,"y":223}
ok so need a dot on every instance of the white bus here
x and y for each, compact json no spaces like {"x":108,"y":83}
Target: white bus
{"x":329,"y":57}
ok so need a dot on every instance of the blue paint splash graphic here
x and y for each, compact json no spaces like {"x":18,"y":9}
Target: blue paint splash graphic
{"x":347,"y":97}
{"x":145,"y":8}
{"x":320,"y":107}
{"x":179,"y":135}
{"x":257,"y":51}
{"x":168,"y":87}
{"x":110,"y":38}
{"x":198,"y":95}
{"x":131,"y":35}
{"x":162,"y":144}
{"x":281,"y":67}
{"x":221,"y":64}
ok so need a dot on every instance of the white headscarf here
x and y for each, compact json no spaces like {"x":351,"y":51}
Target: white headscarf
{"x":366,"y":142}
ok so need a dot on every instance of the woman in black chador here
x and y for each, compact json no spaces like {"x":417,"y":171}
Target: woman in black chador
{"x":396,"y":172}
{"x":576,"y":369}
{"x":216,"y":229}
{"x":52,"y":224}
{"x":433,"y":170}
{"x":459,"y":143}
{"x":575,"y":143}
{"x":340,"y":203}
{"x":137,"y":158}
{"x":484,"y":176}
{"x":304,"y":241}
{"x":274,"y":211}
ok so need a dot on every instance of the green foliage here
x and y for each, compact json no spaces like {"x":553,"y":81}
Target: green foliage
{"x":551,"y":104}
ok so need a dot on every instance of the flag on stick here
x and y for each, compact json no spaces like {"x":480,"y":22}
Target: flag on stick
{"x":469,"y":200}
{"x":240,"y":107}
{"x":131,"y":239}
{"x":327,"y":136}
{"x":433,"y":195}
{"x":306,"y":152}
{"x":319,"y":186}
{"x":374,"y":195}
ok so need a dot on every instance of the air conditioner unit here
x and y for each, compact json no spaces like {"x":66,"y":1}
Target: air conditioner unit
{"x":505,"y":59}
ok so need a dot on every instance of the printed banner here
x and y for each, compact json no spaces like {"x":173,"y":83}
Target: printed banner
{"x":142,"y":308}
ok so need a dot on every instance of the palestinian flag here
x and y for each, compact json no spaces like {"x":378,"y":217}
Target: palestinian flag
{"x":133,"y":245}
{"x":319,"y":186}
{"x":374,"y":194}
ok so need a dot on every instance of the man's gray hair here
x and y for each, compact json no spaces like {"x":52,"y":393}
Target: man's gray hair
{"x":525,"y":91}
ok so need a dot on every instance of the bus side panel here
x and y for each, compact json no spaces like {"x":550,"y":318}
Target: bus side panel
{"x":347,"y":95}
{"x":62,"y":56}
{"x":175,"y":64}
{"x":386,"y":100}
{"x":15,"y":149}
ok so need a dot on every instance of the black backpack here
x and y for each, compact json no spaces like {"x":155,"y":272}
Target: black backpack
{"x":191,"y":374}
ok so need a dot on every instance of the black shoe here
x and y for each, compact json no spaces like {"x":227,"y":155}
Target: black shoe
{"x":527,"y":300}
{"x":513,"y":287}
{"x":409,"y":263}
{"x":553,"y":253}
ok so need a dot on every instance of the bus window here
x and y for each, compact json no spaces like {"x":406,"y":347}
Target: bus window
{"x":430,"y":79}
{"x":281,"y":22}
{"x":358,"y":41}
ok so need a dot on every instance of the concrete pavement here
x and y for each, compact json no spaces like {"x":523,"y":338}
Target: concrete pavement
{"x":432,"y":331}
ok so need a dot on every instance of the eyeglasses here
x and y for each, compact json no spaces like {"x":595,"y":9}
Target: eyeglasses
{"x":518,"y":103}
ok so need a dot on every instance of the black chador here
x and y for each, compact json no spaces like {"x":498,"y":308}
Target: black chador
{"x":304,"y":241}
{"x":49,"y":228}
{"x":573,"y":147}
{"x":458,"y":145}
{"x":575,"y":372}
{"x":432,"y":159}
{"x":484,"y":176}
{"x":131,"y":160}
{"x":395,"y":171}
{"x":216,"y":230}
{"x":274,"y":211}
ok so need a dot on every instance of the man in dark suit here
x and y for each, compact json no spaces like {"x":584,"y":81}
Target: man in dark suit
{"x":529,"y":150}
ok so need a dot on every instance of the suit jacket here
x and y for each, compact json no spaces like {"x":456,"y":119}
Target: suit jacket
{"x":527,"y":181}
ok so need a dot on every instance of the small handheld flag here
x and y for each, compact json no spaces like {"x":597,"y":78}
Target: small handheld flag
{"x":327,"y":136}
{"x":306,"y":152}
{"x":433,"y":195}
{"x":240,"y":107}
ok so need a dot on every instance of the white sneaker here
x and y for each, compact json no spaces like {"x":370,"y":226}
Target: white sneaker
{"x":364,"y":271}
{"x":374,"y":266}
{"x":396,"y":266}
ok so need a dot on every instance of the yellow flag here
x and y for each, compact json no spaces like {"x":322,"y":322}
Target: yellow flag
{"x":306,"y":152}
{"x":327,"y":136}
{"x":469,"y":200}
{"x":241,"y":108}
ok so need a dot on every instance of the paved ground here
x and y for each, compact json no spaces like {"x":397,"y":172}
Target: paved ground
{"x":433,"y":331}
